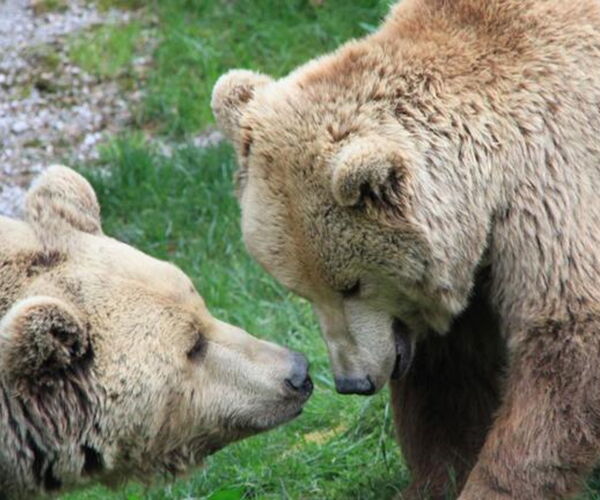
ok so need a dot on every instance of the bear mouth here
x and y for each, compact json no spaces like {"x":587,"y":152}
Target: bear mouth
{"x":403,"y":340}
{"x":269,"y":418}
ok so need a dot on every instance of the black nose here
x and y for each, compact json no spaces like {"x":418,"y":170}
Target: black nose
{"x":347,"y":385}
{"x":299,"y":380}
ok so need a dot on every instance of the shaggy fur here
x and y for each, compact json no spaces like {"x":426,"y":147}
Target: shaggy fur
{"x":111,"y":367}
{"x":459,"y":139}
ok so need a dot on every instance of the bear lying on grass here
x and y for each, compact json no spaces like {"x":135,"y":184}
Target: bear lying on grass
{"x":433,"y":190}
{"x":111,"y":367}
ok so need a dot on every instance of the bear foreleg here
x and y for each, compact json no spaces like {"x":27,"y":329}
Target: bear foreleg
{"x":546,"y":437}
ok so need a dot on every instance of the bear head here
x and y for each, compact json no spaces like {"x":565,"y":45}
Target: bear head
{"x":354,"y":204}
{"x":111,"y":366}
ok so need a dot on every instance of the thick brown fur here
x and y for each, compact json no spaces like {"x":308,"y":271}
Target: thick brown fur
{"x":446,"y":401}
{"x":111,"y":367}
{"x":461,"y":136}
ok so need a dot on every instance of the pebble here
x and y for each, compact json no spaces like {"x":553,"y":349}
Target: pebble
{"x":19,"y":127}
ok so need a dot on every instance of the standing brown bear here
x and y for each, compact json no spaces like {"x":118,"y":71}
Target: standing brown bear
{"x":433,"y":190}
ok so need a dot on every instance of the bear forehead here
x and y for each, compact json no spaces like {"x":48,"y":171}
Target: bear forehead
{"x":300,"y":119}
{"x":90,"y":261}
{"x":113,"y":260}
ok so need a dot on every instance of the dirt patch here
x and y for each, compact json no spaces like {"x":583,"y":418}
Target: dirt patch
{"x":52,"y":111}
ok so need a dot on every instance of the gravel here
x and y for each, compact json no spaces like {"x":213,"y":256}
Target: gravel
{"x":52,"y":113}
{"x":19,"y":26}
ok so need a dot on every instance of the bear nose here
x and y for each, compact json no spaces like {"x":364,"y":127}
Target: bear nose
{"x":299,"y":380}
{"x":348,"y":385}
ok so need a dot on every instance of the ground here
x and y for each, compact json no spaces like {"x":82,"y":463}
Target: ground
{"x":51,"y":107}
{"x":163,"y":191}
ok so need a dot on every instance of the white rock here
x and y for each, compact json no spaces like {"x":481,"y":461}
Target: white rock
{"x":19,"y":127}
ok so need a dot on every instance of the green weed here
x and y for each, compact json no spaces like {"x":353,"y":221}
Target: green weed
{"x":200,"y":40}
{"x":106,"y":51}
{"x":44,"y":6}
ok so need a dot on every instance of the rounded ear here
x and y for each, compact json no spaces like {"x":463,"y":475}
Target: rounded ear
{"x":41,"y":338}
{"x":371,"y":170}
{"x":62,"y":200}
{"x":232,"y":92}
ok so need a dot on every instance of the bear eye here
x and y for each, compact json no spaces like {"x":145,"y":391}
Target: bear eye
{"x":198,"y":349}
{"x":351,"y":291}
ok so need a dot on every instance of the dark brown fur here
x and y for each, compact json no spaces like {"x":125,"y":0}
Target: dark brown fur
{"x":44,"y":424}
{"x":444,"y":406}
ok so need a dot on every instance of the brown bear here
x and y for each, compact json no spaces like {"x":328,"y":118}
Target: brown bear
{"x":111,"y":367}
{"x":433,"y":190}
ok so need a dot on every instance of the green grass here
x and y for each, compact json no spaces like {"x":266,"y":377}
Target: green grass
{"x":202,"y":39}
{"x":181,"y":208}
{"x":198,"y":40}
{"x":45,"y":6}
{"x":105,"y":5}
{"x":106,"y":51}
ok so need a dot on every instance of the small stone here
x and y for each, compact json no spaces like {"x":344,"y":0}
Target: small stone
{"x":19,"y":127}
{"x":90,"y":140}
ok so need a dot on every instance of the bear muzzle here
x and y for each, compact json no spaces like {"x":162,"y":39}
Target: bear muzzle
{"x":365,"y":386}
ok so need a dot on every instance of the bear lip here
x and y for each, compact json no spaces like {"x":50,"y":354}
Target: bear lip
{"x":404,"y":349}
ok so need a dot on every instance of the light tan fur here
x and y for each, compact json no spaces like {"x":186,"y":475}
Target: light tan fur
{"x":449,"y":164}
{"x":111,"y":366}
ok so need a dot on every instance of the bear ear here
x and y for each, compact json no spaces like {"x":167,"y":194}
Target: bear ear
{"x":41,"y":338}
{"x":371,"y":171}
{"x":62,"y":200}
{"x":232,"y":92}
